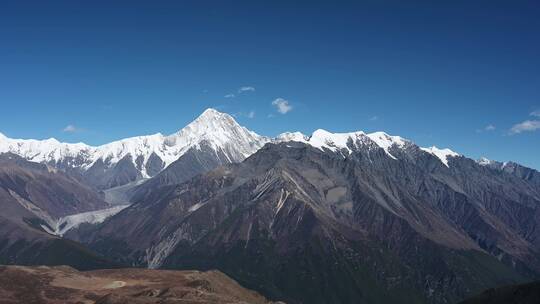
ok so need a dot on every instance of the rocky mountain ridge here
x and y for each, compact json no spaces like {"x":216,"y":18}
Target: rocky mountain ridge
{"x":342,"y":217}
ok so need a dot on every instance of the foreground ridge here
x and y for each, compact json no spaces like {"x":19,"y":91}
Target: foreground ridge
{"x":19,"y":284}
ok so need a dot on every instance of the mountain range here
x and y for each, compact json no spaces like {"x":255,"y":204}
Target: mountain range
{"x":212,"y":139}
{"x":327,"y":218}
{"x":131,"y":159}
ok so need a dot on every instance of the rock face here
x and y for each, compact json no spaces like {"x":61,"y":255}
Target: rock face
{"x":48,"y":285}
{"x":346,"y":218}
{"x":214,"y":137}
{"x":43,"y":191}
{"x":34,"y":197}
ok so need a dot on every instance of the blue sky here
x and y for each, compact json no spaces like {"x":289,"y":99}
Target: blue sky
{"x":464,"y":75}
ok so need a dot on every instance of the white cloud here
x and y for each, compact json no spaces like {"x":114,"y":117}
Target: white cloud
{"x":526,"y":126}
{"x":535,"y":113}
{"x":70,"y":129}
{"x":487,"y":128}
{"x":250,"y":114}
{"x":282,"y":105}
{"x":246,"y":89}
{"x":240,"y":91}
{"x":374,"y":118}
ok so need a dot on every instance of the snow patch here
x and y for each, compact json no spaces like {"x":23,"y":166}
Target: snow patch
{"x":281,"y":201}
{"x":64,"y":224}
{"x":442,"y":154}
{"x":386,"y":141}
{"x":484,"y":161}
{"x":196,"y":206}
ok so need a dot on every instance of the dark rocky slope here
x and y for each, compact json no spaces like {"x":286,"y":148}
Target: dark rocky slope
{"x":515,"y":294}
{"x":312,"y":226}
{"x":31,"y":196}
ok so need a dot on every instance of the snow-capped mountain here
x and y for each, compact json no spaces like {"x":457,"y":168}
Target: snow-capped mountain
{"x":212,"y":139}
{"x":338,"y":207}
{"x":348,"y":142}
{"x":134,"y":158}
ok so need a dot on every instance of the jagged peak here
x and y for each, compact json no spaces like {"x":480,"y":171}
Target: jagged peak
{"x":212,"y":114}
{"x":442,"y":154}
{"x":213,"y":126}
{"x":336,"y":141}
{"x":210,"y":121}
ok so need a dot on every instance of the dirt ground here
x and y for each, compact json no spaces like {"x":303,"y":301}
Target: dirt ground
{"x":52,"y":285}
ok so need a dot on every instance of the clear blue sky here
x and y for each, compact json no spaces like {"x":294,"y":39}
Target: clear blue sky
{"x":456,"y":75}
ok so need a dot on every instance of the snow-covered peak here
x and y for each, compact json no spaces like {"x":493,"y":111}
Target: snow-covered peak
{"x":218,"y":130}
{"x":292,"y":136}
{"x":442,"y":154}
{"x":48,"y":150}
{"x":484,"y":161}
{"x":207,"y":124}
{"x":333,"y":141}
{"x":212,"y":129}
{"x":386,"y":141}
{"x":135,"y":147}
{"x":211,"y":113}
{"x":345,"y":141}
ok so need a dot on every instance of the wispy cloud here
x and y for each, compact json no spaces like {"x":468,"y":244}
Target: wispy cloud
{"x":535,"y":113}
{"x":526,"y":126}
{"x":490,"y":128}
{"x":70,"y":129}
{"x":240,"y":91}
{"x":374,"y":118}
{"x":246,"y":89}
{"x":487,"y":128}
{"x":250,"y":114}
{"x":282,"y":105}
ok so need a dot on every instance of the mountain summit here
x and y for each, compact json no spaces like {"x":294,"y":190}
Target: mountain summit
{"x":131,"y":159}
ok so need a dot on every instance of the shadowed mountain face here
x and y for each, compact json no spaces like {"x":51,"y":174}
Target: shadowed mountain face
{"x":33,"y":196}
{"x":136,"y":286}
{"x":40,"y":189}
{"x":523,"y":294}
{"x":362,"y":224}
{"x":194,"y":162}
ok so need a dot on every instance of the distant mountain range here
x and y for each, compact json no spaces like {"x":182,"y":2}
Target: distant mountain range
{"x":132,"y":159}
{"x":327,"y":218}
{"x":213,"y":139}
